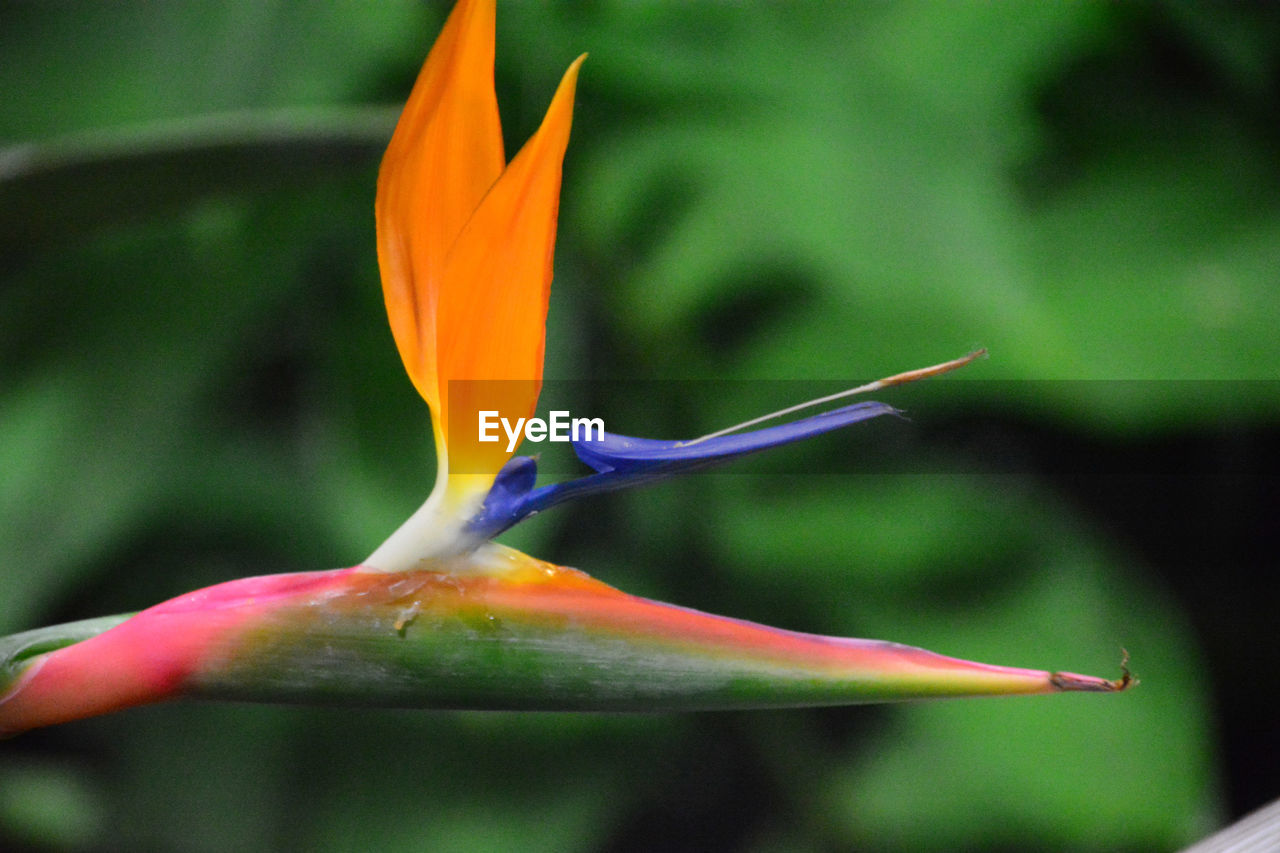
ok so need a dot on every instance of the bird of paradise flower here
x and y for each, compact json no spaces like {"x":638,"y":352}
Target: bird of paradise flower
{"x":440,"y":616}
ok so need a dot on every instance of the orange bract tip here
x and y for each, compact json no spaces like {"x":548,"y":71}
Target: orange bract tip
{"x":464,"y":245}
{"x":445,"y":154}
{"x":492,"y":310}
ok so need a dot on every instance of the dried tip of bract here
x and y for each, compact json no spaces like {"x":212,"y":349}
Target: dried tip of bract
{"x":1089,"y":684}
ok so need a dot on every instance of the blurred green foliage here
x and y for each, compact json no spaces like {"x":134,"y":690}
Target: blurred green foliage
{"x":197,"y":383}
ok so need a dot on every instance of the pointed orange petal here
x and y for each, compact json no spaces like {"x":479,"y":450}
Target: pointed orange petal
{"x":444,"y":156}
{"x":492,"y":307}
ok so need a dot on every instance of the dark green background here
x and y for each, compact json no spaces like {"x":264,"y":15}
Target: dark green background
{"x":197,"y":383}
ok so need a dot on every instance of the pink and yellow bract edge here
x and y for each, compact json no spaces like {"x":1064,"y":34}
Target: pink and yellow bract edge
{"x":536,"y":637}
{"x":436,"y":617}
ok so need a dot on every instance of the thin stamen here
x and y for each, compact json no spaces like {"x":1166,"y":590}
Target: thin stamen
{"x":887,"y":382}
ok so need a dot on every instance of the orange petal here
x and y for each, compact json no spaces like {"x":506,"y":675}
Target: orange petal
{"x":492,"y":307}
{"x":444,"y":156}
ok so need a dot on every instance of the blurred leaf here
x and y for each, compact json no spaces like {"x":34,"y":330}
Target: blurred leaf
{"x":52,"y":193}
{"x":1059,"y":775}
{"x":912,"y":235}
{"x":69,"y":66}
{"x":50,"y":805}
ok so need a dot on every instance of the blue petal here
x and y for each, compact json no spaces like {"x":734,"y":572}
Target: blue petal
{"x":623,"y":454}
{"x":621,"y":461}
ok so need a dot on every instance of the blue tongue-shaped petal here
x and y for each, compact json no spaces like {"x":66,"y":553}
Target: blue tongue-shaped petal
{"x":622,"y":454}
{"x":621,"y":461}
